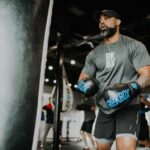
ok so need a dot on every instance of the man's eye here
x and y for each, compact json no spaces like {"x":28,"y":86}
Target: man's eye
{"x":106,"y":18}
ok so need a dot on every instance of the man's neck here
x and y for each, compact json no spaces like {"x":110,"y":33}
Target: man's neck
{"x":113,"y":39}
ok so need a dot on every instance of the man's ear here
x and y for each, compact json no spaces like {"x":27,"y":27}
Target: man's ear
{"x":118,"y":21}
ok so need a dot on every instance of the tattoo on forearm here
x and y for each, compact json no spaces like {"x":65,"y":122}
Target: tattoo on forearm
{"x":144,"y":81}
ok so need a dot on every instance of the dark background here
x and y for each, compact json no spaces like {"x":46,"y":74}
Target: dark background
{"x":73,"y":19}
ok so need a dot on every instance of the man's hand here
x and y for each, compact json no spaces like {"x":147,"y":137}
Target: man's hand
{"x":120,"y":94}
{"x":88,"y":86}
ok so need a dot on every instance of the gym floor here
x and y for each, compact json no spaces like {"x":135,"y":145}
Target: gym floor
{"x":75,"y":145}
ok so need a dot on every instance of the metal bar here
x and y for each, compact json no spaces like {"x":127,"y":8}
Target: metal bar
{"x":59,"y":96}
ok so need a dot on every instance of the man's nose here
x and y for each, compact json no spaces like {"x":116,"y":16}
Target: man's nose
{"x":101,"y":20}
{"x":101,"y":23}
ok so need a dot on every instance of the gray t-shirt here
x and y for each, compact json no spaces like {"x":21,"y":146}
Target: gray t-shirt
{"x":117,"y":62}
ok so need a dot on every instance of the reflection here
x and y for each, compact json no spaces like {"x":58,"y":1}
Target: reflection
{"x":70,"y":123}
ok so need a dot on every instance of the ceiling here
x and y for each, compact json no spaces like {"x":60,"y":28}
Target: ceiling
{"x":73,"y":20}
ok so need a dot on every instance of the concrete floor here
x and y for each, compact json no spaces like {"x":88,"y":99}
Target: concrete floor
{"x":75,"y":145}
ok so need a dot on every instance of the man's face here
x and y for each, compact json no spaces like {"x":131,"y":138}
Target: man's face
{"x":107,"y":22}
{"x":108,"y":25}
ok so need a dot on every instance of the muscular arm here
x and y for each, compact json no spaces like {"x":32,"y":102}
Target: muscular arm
{"x":144,"y":78}
{"x":83,"y":75}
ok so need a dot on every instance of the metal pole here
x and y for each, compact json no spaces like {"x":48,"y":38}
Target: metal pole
{"x":59,"y":95}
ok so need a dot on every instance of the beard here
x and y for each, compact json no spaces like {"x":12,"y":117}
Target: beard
{"x":108,"y":32}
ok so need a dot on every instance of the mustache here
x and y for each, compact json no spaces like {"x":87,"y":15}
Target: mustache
{"x":103,"y":27}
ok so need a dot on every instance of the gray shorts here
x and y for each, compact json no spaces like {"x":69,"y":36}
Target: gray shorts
{"x":87,"y":126}
{"x":125,"y":122}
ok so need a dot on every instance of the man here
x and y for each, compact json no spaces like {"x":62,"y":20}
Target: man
{"x":89,"y":107}
{"x":121,"y":65}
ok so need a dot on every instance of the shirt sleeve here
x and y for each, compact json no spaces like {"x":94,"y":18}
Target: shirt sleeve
{"x":89,"y":67}
{"x":140,"y":55}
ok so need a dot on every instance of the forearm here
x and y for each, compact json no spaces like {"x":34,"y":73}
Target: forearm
{"x":144,"y":78}
{"x":83,"y":75}
{"x":144,"y":82}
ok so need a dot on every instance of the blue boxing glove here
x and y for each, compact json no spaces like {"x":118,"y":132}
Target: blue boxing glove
{"x":88,"y":86}
{"x":120,"y":94}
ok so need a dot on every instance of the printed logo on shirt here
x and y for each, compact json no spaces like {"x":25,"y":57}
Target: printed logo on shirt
{"x":110,"y":60}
